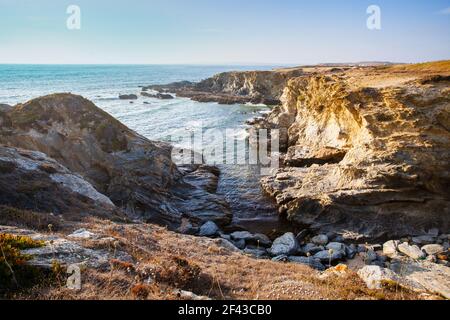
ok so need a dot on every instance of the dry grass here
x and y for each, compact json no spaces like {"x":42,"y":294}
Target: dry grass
{"x":165,"y":262}
{"x":28,"y":219}
{"x":435,"y":66}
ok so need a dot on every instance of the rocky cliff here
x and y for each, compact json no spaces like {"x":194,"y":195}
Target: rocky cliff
{"x":136,"y":174}
{"x":235,"y":87}
{"x":367,"y":150}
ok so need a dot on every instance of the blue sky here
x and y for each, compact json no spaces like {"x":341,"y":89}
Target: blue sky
{"x":223,"y":31}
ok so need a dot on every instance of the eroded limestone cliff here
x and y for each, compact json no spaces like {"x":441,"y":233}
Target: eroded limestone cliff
{"x":367,"y":150}
{"x":235,"y":87}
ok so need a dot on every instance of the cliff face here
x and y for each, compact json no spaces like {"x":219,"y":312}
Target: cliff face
{"x":235,"y":87}
{"x":31,"y":180}
{"x":253,"y":84}
{"x":138,"y":175}
{"x":367,"y":150}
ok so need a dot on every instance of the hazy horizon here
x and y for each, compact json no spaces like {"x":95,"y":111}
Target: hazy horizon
{"x":202,"y":32}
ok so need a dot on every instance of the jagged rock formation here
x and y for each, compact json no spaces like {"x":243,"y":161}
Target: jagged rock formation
{"x":136,"y":174}
{"x":30,"y":180}
{"x":235,"y":87}
{"x":367,"y":150}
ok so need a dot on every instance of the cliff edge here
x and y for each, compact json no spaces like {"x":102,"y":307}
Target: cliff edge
{"x":366,"y":150}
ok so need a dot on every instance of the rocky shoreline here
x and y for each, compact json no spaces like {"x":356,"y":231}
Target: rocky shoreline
{"x":361,"y":145}
{"x":365,"y":161}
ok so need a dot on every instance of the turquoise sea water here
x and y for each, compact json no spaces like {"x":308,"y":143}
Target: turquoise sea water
{"x":155,"y":119}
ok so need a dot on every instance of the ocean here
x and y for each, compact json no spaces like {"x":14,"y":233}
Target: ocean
{"x":156,"y":119}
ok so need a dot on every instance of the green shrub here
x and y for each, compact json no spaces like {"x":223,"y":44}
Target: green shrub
{"x":14,"y":271}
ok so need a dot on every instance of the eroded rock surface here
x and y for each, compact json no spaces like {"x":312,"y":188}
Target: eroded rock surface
{"x":367,"y":150}
{"x":136,"y":174}
{"x":57,"y":249}
{"x":234,"y":87}
{"x":31,"y":180}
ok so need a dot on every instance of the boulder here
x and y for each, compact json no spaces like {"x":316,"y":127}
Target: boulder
{"x":249,"y":238}
{"x":369,"y":256}
{"x":376,"y":277}
{"x":361,"y":248}
{"x":424,"y":275}
{"x":82,"y":234}
{"x":336,"y":246}
{"x":241,"y":235}
{"x":411,"y":251}
{"x":338,"y":238}
{"x":284,"y":245}
{"x":328,"y":256}
{"x":320,"y":240}
{"x":311,"y":249}
{"x":261,"y":240}
{"x":224,"y":243}
{"x":239,"y":243}
{"x":423,"y":240}
{"x":308,"y":261}
{"x":433,"y":249}
{"x":164,"y":96}
{"x":209,"y":229}
{"x":161,"y":96}
{"x":256,"y":252}
{"x":128,"y":97}
{"x":390,"y":248}
{"x":350,"y":251}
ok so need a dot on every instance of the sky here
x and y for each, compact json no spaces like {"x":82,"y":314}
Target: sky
{"x":282,"y":32}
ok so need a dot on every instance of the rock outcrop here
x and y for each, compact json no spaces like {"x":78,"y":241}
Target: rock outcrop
{"x":30,"y":180}
{"x":234,"y":87}
{"x":128,"y":97}
{"x":367,"y":150}
{"x":136,"y":174}
{"x":65,"y":252}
